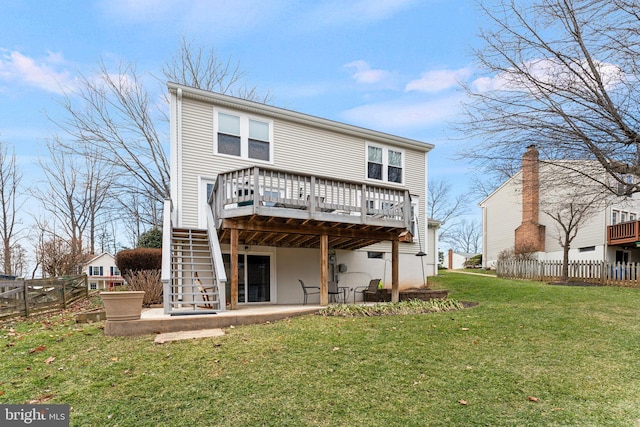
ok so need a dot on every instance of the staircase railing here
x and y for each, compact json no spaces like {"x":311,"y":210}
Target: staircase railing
{"x":216,"y":256}
{"x":166,"y":254}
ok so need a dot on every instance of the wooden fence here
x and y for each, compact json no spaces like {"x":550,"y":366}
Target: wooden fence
{"x":27,"y":297}
{"x":596,"y":272}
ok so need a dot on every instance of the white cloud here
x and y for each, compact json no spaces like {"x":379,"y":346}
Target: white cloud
{"x":403,"y":114}
{"x":438,"y":80}
{"x":16,"y":68}
{"x":364,"y":74}
{"x":552,"y":72}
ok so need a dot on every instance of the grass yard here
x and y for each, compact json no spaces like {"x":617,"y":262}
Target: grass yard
{"x":529,"y":354}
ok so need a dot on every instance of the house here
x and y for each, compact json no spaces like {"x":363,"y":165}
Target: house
{"x":102,"y":272}
{"x":457,"y":260}
{"x":262,"y":197}
{"x":516,"y":215}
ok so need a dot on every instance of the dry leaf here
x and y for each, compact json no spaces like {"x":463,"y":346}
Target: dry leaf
{"x":37,"y":349}
{"x":533,"y":399}
{"x":49,"y":360}
{"x":336,"y":348}
{"x":115,"y":359}
{"x":462,"y":402}
{"x":464,"y":329}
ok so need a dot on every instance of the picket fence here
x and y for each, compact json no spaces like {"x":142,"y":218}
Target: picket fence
{"x":26,"y":297}
{"x":596,"y":272}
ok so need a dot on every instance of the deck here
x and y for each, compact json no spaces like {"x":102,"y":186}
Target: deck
{"x":272,"y":207}
{"x":624,"y":233}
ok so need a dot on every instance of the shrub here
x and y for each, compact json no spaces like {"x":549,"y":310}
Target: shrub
{"x":511,"y":255}
{"x":139,"y":259}
{"x":147,"y":281}
{"x":151,"y":239}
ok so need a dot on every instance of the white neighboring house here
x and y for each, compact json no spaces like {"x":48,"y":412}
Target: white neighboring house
{"x":102,"y":272}
{"x":514,"y":215}
{"x":284,"y":196}
{"x":457,"y":260}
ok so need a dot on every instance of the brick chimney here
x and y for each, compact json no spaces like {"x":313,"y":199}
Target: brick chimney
{"x":530,"y":234}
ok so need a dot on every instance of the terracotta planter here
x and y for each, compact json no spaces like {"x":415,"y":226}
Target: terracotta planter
{"x":125,"y":305}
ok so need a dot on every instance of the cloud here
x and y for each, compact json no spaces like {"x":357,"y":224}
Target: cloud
{"x":16,"y":68}
{"x":550,"y":72}
{"x":403,"y":114}
{"x":438,"y":80}
{"x":364,"y":74}
{"x":339,"y":12}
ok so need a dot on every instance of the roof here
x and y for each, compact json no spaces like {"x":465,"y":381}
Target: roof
{"x":98,"y":256}
{"x":293,"y":116}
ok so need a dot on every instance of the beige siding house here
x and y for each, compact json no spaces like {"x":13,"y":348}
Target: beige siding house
{"x":512,"y":207}
{"x":285,"y":197}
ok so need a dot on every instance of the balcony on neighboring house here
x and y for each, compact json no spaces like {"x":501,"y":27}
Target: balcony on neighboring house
{"x":272,"y":207}
{"x":624,"y":233}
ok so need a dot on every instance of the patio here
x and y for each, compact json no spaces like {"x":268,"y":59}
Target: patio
{"x":153,"y":320}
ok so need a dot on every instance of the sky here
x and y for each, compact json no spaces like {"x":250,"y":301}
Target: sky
{"x":388,"y":65}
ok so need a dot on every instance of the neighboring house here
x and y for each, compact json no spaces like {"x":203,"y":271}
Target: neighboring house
{"x":457,"y":260}
{"x":102,"y":272}
{"x":280,"y":196}
{"x":513,"y":216}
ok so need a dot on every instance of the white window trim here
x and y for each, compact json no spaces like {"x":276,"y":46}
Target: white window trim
{"x":244,"y":135}
{"x":385,"y":163}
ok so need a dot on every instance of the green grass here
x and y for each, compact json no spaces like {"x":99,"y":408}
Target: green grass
{"x":574,"y":349}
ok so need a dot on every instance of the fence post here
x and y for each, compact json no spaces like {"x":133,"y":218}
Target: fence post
{"x":64,"y":295}
{"x":26,"y":298}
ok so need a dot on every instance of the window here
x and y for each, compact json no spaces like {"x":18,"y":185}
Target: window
{"x":385,"y":164}
{"x":95,"y":271}
{"x":623,"y":217}
{"x":587,"y":249}
{"x":614,"y":217}
{"x":375,"y":255}
{"x":93,"y":286}
{"x":242,"y":136}
{"x":114,"y":271}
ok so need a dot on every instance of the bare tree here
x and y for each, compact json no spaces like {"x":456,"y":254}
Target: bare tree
{"x":444,"y":206}
{"x":11,"y":202}
{"x":77,"y":190}
{"x":466,"y":236}
{"x":563,"y":75}
{"x":113,"y":115}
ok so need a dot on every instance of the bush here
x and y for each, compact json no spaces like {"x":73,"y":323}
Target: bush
{"x":151,"y":239}
{"x":526,"y":254}
{"x":147,"y":281}
{"x":129,"y":260}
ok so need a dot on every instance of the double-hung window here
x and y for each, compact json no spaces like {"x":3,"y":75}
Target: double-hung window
{"x":242,"y":136}
{"x":385,"y":164}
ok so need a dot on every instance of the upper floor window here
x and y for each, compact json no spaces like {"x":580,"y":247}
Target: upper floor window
{"x":385,"y":164}
{"x":95,"y":271}
{"x":243,"y":136}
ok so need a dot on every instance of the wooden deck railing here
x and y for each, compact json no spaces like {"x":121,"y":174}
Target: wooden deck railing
{"x":280,"y":193}
{"x":623,"y":233}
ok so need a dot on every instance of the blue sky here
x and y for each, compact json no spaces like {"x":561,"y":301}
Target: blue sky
{"x":388,"y":65}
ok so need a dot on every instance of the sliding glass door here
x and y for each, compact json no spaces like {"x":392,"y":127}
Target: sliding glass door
{"x":254,"y":278}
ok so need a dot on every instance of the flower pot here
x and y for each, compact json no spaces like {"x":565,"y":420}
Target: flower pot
{"x":124,"y":305}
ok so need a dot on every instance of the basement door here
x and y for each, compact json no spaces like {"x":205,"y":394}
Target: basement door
{"x":254,"y":278}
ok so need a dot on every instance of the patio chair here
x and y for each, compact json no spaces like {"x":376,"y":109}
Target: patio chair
{"x":336,"y":291}
{"x":369,"y":292}
{"x":305,"y":290}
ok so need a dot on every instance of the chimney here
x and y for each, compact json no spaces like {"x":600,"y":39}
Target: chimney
{"x":529,"y":235}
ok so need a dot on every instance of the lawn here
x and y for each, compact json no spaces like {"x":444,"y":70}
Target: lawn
{"x":528,"y":354}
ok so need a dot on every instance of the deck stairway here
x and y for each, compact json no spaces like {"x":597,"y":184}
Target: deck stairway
{"x":194,"y":288}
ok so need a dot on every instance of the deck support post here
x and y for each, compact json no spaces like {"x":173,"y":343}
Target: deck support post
{"x":395,"y":290}
{"x":324,"y":267}
{"x":234,"y":269}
